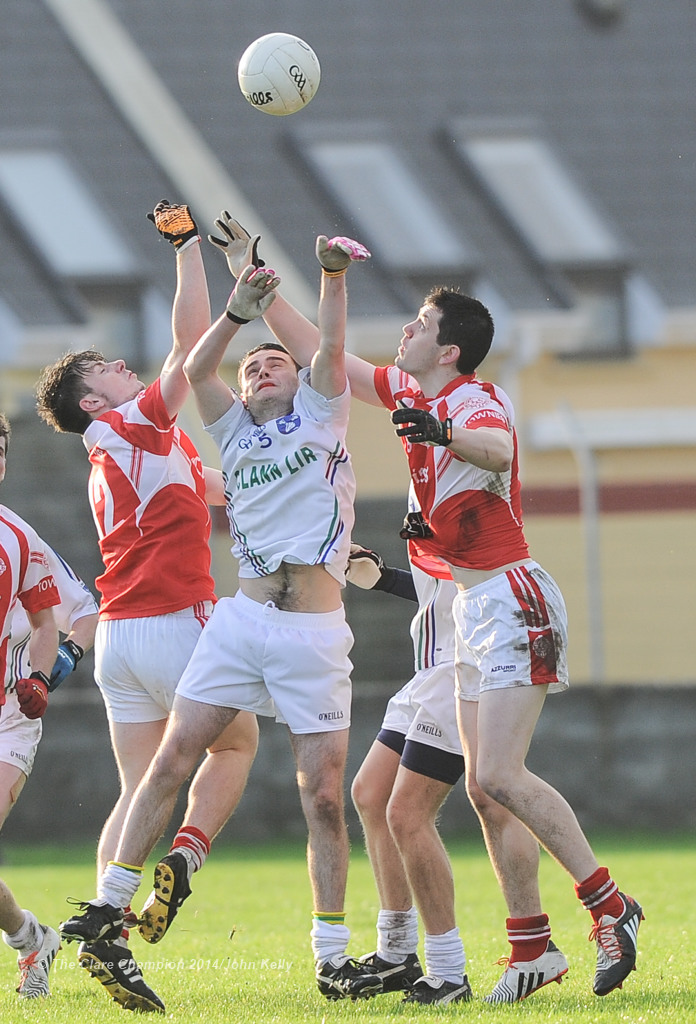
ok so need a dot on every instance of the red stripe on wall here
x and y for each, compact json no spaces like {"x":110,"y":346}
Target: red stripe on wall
{"x":652,"y":497}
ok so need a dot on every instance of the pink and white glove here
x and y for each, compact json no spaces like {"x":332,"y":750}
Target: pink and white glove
{"x":336,"y":254}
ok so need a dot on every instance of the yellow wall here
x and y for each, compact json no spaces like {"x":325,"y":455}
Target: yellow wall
{"x":648,"y":593}
{"x":655,"y":378}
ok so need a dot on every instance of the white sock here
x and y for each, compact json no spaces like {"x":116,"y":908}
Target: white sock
{"x":194,"y":845}
{"x":28,"y":937}
{"x":193,"y":863}
{"x":445,"y":957}
{"x":397,"y":934}
{"x":328,"y":939}
{"x":118,"y":885}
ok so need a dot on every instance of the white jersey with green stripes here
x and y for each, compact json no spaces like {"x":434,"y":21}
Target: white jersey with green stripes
{"x":289,"y":484}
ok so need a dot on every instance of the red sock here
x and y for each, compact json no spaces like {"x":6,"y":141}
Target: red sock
{"x":129,"y":919}
{"x":195,"y":842}
{"x":600,"y":894}
{"x":528,"y":936}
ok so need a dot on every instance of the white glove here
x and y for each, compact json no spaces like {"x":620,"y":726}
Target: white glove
{"x":253,"y":294}
{"x":364,"y":567}
{"x":239,"y":247}
{"x":336,"y":254}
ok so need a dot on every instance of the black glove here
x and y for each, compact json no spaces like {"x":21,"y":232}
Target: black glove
{"x":423,"y":428}
{"x":69,"y":653}
{"x":415,"y":525}
{"x":174,"y":223}
{"x":365,"y":567}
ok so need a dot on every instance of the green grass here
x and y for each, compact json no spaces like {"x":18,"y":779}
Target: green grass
{"x":239,"y":950}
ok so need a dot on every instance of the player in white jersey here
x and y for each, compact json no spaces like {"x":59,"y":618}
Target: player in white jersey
{"x":26,"y":582}
{"x":149,"y":495}
{"x":400,"y":787}
{"x":459,"y":438}
{"x":280,"y":646}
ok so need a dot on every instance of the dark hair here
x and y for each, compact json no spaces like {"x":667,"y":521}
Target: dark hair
{"x":464,"y":322}
{"x":5,"y":431}
{"x":60,"y":388}
{"x":264,"y":346}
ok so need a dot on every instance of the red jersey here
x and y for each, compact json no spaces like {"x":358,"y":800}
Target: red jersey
{"x":475,"y":514}
{"x":147,"y":493}
{"x":25,"y":575}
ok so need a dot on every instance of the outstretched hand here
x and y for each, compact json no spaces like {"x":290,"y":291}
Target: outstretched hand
{"x":336,"y":254}
{"x":239,"y":247}
{"x":174,"y":222}
{"x":253,"y":294}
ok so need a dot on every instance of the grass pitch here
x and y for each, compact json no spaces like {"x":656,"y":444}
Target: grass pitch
{"x":239,"y":949}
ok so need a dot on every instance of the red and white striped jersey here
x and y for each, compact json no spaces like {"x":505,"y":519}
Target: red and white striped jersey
{"x":147,"y":493}
{"x":76,"y":601}
{"x":25,"y":575}
{"x":475,"y":514}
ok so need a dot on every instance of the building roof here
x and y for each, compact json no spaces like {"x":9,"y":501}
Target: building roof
{"x":611,"y":98}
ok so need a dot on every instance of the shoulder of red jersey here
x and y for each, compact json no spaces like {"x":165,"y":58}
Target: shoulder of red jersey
{"x":393,"y":385}
{"x":477,"y":403}
{"x":151,"y":405}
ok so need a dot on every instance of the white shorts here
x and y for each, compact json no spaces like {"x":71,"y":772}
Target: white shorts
{"x":138,"y":662}
{"x":291,"y":666}
{"x":19,"y":736}
{"x":425,"y":709}
{"x":511,"y":631}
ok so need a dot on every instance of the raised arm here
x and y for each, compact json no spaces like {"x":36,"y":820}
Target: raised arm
{"x":328,"y":373}
{"x":252,"y":295}
{"x":301,"y":338}
{"x":191,"y":306}
{"x":293,"y":330}
{"x":328,"y":364}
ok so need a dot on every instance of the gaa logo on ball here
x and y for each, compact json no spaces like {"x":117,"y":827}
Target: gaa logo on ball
{"x":279,"y":73}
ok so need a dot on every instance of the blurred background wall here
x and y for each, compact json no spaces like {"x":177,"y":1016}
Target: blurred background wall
{"x":541,"y":156}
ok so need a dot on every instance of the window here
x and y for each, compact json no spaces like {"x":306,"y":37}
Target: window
{"x":60,"y":219}
{"x":564,"y":236}
{"x":409,"y":233}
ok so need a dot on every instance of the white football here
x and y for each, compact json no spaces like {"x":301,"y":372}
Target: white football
{"x":279,"y":73}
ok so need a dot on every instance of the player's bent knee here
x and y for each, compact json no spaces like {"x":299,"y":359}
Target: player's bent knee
{"x":402,"y":820}
{"x":366,"y":797}
{"x":174,"y":762}
{"x":240,"y":736}
{"x":492,"y":786}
